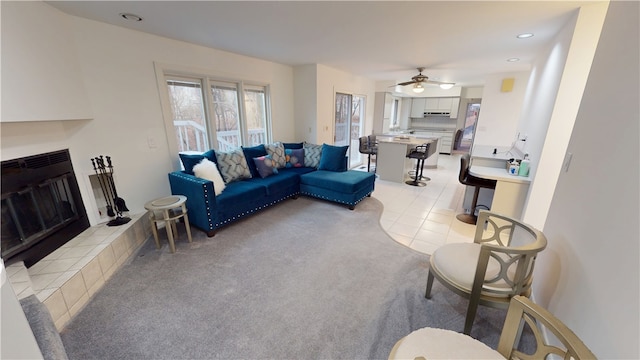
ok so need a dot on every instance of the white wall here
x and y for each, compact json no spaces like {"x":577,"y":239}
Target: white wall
{"x":117,"y":68}
{"x":589,"y":274}
{"x":500,"y":111}
{"x":45,"y":51}
{"x":551,"y":107}
{"x":328,"y":81}
{"x":305,"y":102}
{"x":541,"y":94}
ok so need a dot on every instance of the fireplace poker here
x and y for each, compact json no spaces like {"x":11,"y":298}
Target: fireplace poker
{"x":117,"y":201}
{"x":103,"y":171}
{"x":119,"y":220}
{"x":110,"y":212}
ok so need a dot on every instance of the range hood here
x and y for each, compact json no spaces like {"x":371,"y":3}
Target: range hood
{"x":436,"y":113}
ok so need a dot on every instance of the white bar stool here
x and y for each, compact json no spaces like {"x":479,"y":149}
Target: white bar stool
{"x":168,"y":206}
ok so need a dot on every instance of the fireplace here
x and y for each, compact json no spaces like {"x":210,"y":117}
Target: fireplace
{"x":41,"y":206}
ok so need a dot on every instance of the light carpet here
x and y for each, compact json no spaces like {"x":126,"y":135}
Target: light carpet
{"x":304,"y":279}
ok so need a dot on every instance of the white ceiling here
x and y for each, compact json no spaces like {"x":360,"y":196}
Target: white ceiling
{"x":457,"y":41}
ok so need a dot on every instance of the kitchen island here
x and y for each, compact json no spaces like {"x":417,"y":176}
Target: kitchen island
{"x":392,"y":163}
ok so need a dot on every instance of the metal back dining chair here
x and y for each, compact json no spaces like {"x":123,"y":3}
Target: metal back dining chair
{"x":434,"y":343}
{"x":497,"y":266}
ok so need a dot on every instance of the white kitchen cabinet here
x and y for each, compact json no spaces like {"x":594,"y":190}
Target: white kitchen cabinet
{"x":431,"y":104}
{"x":417,"y":107}
{"x":446,"y":104}
{"x":455,"y":104}
{"x":446,"y":138}
{"x":388,"y":105}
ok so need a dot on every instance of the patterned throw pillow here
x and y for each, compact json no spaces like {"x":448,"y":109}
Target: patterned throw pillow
{"x":265,"y":166}
{"x":276,"y":150}
{"x":233,"y":165}
{"x":295,"y":157}
{"x":312,"y":155}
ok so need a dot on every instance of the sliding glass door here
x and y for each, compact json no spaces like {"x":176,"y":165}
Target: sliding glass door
{"x":349,"y":124}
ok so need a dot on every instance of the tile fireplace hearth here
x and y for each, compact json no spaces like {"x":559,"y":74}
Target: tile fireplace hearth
{"x":66,"y":279}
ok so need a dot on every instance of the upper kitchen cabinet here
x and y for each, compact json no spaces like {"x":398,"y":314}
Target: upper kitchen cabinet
{"x":439,"y":105}
{"x":417,"y":107}
{"x":443,"y":105}
{"x":42,"y":79}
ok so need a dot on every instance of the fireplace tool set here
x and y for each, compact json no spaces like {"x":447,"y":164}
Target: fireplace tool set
{"x":115,"y":204}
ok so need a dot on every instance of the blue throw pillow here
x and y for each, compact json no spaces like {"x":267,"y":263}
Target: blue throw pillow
{"x":332,"y":158}
{"x":251,"y":153}
{"x":295,"y":157}
{"x":191,"y":160}
{"x":265,"y":165}
{"x":292,"y":145}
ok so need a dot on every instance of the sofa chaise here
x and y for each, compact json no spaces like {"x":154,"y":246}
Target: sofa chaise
{"x":253,"y":178}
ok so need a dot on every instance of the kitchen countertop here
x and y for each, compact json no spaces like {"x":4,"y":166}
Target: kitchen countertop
{"x":411,"y":139}
{"x":496,"y":173}
{"x":502,"y":153}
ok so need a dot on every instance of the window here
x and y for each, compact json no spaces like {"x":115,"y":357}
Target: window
{"x":226,"y":115}
{"x":255,"y":103}
{"x":187,"y":106}
{"x":229,"y":115}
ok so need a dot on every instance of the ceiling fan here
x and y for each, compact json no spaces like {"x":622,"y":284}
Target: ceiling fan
{"x":419,"y":79}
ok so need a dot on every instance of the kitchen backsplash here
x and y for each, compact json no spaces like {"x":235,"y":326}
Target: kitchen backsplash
{"x":440,"y":122}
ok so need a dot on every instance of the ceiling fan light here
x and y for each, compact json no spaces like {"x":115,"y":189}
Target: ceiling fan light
{"x":418,"y":88}
{"x":446,"y":86}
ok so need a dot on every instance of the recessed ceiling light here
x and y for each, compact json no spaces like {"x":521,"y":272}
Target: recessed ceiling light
{"x":130,"y":17}
{"x":524,"y":35}
{"x":513,"y":60}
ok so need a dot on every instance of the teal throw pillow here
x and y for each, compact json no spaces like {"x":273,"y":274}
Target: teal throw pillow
{"x":265,"y":166}
{"x":295,"y":157}
{"x":191,"y":160}
{"x":333,"y":158}
{"x":251,"y":153}
{"x":233,"y":165}
{"x":312,"y":155}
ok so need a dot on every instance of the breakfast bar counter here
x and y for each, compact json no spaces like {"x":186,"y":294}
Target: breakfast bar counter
{"x":511,"y":191}
{"x":392,"y":162}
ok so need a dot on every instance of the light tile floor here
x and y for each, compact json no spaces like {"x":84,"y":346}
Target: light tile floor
{"x":424,"y":218}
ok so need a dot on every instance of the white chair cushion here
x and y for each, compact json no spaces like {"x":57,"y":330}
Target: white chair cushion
{"x":432,"y":343}
{"x":458,"y":261}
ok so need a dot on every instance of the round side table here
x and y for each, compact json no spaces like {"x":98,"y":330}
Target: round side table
{"x":171,"y":209}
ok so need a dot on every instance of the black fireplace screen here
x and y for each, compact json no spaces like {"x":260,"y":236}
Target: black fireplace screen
{"x":41,"y":206}
{"x":32,"y":213}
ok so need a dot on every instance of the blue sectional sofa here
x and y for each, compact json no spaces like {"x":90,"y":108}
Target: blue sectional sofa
{"x":324,"y":177}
